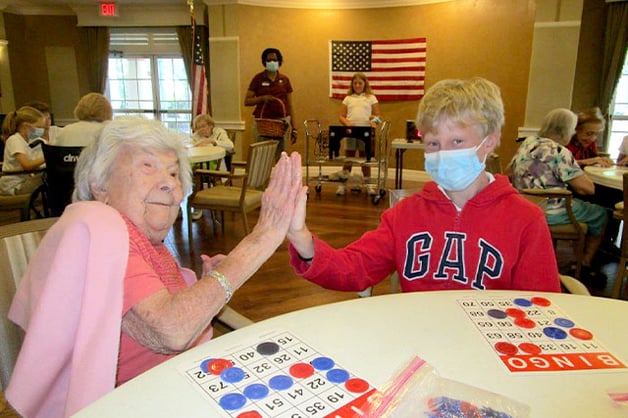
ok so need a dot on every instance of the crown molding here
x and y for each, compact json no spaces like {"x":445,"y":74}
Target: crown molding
{"x":70,"y":7}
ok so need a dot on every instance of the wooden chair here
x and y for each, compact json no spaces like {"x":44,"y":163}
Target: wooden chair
{"x":494,"y":164}
{"x":621,"y":268}
{"x":573,"y":231}
{"x":18,"y":243}
{"x":229,"y":197}
{"x":573,"y":285}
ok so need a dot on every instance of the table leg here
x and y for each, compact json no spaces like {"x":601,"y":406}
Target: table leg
{"x":399,"y":167}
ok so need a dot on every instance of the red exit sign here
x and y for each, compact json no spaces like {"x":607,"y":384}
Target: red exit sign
{"x":108,"y":9}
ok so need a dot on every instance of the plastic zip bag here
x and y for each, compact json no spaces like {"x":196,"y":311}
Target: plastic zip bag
{"x":417,"y":391}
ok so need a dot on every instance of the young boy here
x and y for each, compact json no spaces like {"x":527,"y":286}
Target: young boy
{"x":467,"y":229}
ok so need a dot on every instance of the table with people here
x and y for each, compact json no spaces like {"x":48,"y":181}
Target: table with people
{"x":130,"y":183}
{"x":612,"y":177}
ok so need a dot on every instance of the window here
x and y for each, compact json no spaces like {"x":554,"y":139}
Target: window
{"x":619,"y":118}
{"x":147,"y":77}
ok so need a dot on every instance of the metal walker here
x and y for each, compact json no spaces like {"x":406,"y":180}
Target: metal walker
{"x":317,"y":154}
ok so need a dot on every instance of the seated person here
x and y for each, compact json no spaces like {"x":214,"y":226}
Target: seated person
{"x":544,"y":162}
{"x":50,"y":130}
{"x":582,"y":145}
{"x":103,"y":299}
{"x":92,"y":110}
{"x":468,"y":229}
{"x":20,"y":127}
{"x":205,"y":132}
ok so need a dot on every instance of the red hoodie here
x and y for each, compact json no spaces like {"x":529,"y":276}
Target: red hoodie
{"x":499,"y":240}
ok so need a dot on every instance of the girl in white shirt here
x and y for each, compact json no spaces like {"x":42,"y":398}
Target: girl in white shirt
{"x":19,"y":127}
{"x":359,"y":108}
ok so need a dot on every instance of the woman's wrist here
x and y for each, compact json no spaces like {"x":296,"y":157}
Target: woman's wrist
{"x":223,"y":282}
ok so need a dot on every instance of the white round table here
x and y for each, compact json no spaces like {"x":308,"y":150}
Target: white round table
{"x":374,"y":337}
{"x":205,"y":153}
{"x":610,"y":176}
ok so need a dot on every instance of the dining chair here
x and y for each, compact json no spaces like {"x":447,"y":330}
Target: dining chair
{"x":18,"y":243}
{"x":59,"y":178}
{"x":623,"y":252}
{"x":573,"y":285}
{"x":573,"y":231}
{"x":494,"y":163}
{"x":229,"y":197}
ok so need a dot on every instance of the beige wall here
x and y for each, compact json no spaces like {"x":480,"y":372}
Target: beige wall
{"x":465,"y":38}
{"x":40,"y":46}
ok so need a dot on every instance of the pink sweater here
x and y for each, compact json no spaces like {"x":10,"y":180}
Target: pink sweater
{"x":70,"y":308}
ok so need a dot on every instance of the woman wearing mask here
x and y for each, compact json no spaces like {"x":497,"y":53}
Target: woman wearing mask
{"x":451,"y":235}
{"x":268,"y":85}
{"x":21,"y":126}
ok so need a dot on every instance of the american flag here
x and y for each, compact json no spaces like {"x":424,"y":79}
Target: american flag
{"x":199,"y":81}
{"x":395,"y":69}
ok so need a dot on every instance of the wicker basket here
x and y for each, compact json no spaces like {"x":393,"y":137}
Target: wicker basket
{"x":272,"y":128}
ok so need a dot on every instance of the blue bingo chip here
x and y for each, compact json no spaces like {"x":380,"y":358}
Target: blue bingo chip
{"x":523,"y":302}
{"x":555,"y":333}
{"x":256,"y":391}
{"x":232,"y":375}
{"x":232,"y":401}
{"x":280,"y":382}
{"x":323,"y":363}
{"x":564,"y":322}
{"x":337,"y":375}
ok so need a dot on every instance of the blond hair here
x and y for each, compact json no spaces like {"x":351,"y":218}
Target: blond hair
{"x":476,"y":102}
{"x":93,"y":107}
{"x":14,"y":120}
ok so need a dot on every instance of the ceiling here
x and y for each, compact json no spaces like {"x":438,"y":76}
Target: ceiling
{"x":67,"y":6}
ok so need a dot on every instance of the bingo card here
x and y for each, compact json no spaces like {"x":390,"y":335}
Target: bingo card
{"x":277,"y":376}
{"x":531,"y":334}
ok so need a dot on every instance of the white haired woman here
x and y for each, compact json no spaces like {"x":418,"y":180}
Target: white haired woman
{"x":110,"y":296}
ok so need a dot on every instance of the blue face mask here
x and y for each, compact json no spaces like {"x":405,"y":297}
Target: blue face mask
{"x":37,"y":133}
{"x":455,"y":170}
{"x":272,"y":66}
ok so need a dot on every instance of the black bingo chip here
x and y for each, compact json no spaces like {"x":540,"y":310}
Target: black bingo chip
{"x":268,"y":348}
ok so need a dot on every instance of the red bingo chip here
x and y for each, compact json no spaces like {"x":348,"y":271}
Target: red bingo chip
{"x":506,"y":348}
{"x":581,"y":334}
{"x":218,"y":365}
{"x":301,"y":370}
{"x":530,"y":348}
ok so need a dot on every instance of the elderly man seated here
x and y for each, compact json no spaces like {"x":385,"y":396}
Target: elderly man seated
{"x":103,"y":300}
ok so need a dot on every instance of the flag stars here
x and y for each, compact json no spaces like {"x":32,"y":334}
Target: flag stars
{"x":351,"y":56}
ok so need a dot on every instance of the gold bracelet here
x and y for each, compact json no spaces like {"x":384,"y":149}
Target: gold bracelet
{"x":222,"y":280}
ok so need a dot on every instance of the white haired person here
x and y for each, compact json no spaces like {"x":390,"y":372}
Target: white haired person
{"x":103,"y":299}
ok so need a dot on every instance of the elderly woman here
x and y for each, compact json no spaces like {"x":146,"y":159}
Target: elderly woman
{"x":544,"y":162}
{"x":205,"y":132}
{"x":91,"y":111}
{"x":583,"y":142}
{"x":103,"y":299}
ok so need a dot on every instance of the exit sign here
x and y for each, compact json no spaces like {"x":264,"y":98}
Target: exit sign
{"x":108,"y":9}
